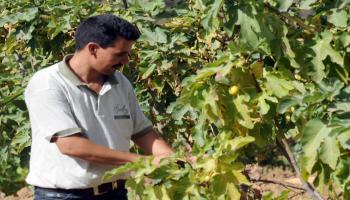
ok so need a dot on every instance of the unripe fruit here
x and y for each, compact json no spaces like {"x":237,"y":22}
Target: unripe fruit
{"x":297,"y":76}
{"x":287,"y":118}
{"x":233,"y":90}
{"x":292,"y":109}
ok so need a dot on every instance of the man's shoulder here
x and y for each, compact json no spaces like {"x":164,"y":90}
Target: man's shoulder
{"x":47,"y":71}
{"x":44,"y":78}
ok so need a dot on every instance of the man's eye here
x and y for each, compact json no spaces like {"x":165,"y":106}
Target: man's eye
{"x":120,"y":54}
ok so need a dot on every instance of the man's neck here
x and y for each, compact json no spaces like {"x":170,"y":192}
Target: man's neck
{"x":83,"y":70}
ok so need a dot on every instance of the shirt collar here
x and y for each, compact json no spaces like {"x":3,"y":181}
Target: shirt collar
{"x":70,"y":76}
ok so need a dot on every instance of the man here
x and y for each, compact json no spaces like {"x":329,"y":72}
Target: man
{"x":83,"y":114}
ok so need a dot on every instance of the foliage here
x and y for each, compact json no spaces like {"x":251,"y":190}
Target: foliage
{"x":32,"y":36}
{"x":213,"y":76}
{"x":216,"y":176}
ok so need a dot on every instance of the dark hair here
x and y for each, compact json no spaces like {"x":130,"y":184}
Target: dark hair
{"x":104,"y":30}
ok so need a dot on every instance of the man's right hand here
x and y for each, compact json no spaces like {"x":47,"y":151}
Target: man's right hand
{"x":157,"y":158}
{"x":81,"y":147}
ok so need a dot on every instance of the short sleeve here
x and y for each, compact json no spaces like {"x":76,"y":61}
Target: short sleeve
{"x":141,"y":124}
{"x":50,"y":113}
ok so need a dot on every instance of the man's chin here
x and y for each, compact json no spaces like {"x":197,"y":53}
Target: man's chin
{"x":109,"y":72}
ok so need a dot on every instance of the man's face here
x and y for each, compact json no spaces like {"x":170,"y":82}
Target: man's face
{"x":107,"y":60}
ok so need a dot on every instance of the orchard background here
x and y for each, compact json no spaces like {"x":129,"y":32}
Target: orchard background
{"x":233,"y":82}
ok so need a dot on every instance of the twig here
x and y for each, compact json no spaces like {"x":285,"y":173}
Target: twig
{"x":308,"y":187}
{"x":223,"y":13}
{"x":125,"y":4}
{"x":297,"y":194}
{"x":283,"y":144}
{"x":286,"y":185}
{"x":285,"y":15}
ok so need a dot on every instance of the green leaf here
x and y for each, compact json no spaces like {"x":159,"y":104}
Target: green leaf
{"x":21,"y":140}
{"x":11,"y":97}
{"x":179,"y":113}
{"x":119,"y":170}
{"x":305,"y":4}
{"x":233,"y":192}
{"x":249,"y":27}
{"x":198,"y":131}
{"x":136,"y":188}
{"x":240,"y":177}
{"x":257,"y":69}
{"x":342,"y":106}
{"x":307,"y":163}
{"x":210,"y":22}
{"x":28,"y":15}
{"x":286,"y":103}
{"x":208,"y":164}
{"x":222,"y":185}
{"x":283,"y":5}
{"x":342,"y":173}
{"x":288,"y":49}
{"x":263,"y":106}
{"x":243,"y":112}
{"x":323,"y":49}
{"x":344,"y":139}
{"x":279,"y":87}
{"x":339,"y":18}
{"x":313,"y":135}
{"x":149,"y":71}
{"x":154,"y":37}
{"x":161,"y":36}
{"x":239,"y":142}
{"x":243,"y":79}
{"x":199,"y":5}
{"x":329,"y":152}
{"x":284,"y":195}
{"x":268,"y":196}
{"x":219,"y":185}
{"x":345,"y":39}
{"x":150,"y":194}
{"x":323,"y":177}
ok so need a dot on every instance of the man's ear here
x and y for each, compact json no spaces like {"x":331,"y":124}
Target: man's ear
{"x":92,"y":48}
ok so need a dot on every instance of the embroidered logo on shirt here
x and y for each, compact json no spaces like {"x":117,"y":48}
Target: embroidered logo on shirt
{"x":121,"y":112}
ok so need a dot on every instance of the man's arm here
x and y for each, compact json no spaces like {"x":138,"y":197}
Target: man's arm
{"x":153,"y":144}
{"x":80,"y":147}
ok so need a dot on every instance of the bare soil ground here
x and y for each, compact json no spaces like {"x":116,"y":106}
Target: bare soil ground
{"x":23,"y":194}
{"x":264,"y":179}
{"x":276,"y":180}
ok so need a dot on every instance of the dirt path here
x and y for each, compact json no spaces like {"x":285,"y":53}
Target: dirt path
{"x":276,"y":180}
{"x":23,"y":194}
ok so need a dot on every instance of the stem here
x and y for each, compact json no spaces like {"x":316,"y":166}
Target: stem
{"x":283,"y":144}
{"x":286,"y":185}
{"x":186,"y":138}
{"x":125,"y":4}
{"x":223,"y":13}
{"x":285,"y":15}
{"x":307,"y":186}
{"x":297,"y":194}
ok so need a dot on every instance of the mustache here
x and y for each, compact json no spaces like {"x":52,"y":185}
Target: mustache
{"x":117,"y":65}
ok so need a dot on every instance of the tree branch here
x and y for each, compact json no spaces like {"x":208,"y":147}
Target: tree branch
{"x":308,"y":187}
{"x":125,"y":4}
{"x":286,"y":185}
{"x":285,"y":15}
